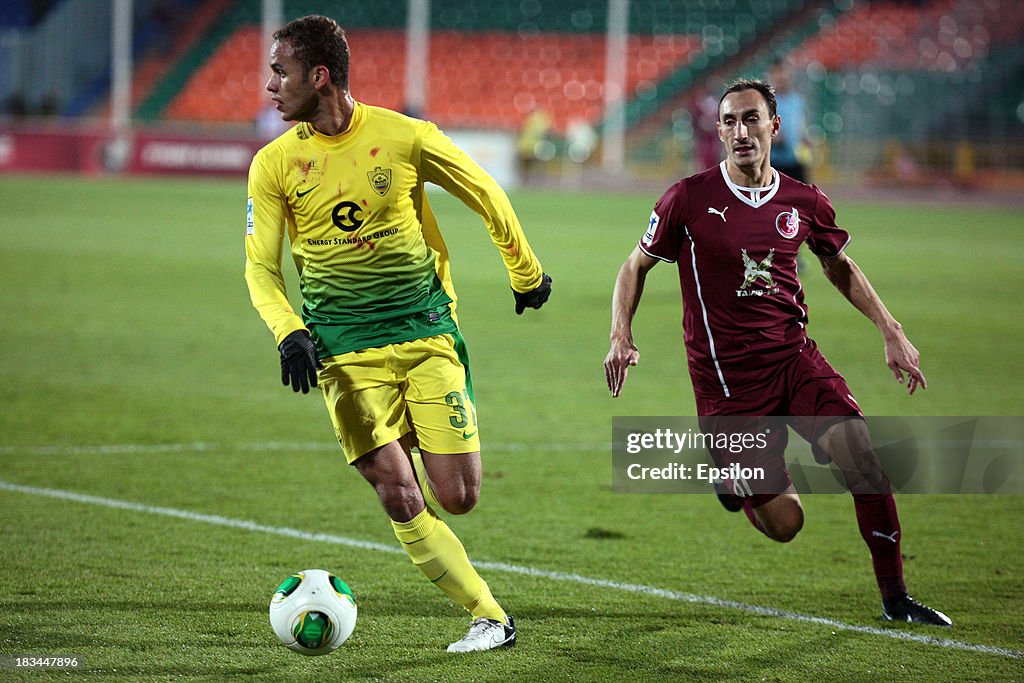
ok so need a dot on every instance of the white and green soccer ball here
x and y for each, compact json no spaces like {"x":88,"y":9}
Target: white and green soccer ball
{"x":313,"y":612}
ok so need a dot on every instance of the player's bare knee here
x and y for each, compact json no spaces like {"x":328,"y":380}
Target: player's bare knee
{"x":401,"y":500}
{"x":782,"y":520}
{"x":786,"y":531}
{"x":457,"y":486}
{"x":460,"y":501}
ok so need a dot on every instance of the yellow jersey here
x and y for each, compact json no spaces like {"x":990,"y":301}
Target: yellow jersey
{"x":373,"y":267}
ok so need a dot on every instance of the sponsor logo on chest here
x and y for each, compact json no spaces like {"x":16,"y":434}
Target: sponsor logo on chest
{"x":757,"y":276}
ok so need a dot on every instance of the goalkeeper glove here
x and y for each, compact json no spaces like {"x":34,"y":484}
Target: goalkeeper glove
{"x":298,"y":361}
{"x":536,"y":297}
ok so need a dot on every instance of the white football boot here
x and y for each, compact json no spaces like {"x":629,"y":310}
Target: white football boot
{"x":486,"y":634}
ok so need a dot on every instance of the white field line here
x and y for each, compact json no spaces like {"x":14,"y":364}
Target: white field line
{"x":641,"y":589}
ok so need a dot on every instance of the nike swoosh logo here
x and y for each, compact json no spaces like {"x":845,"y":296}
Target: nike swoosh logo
{"x":300,"y":193}
{"x":470,"y":435}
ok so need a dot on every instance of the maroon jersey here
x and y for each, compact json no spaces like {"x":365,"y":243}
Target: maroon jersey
{"x":736,"y":249}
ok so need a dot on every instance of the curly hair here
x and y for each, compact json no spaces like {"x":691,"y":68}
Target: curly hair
{"x":318,"y":40}
{"x":766,"y":90}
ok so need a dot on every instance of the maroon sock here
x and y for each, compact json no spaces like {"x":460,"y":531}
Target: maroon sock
{"x":880,"y":528}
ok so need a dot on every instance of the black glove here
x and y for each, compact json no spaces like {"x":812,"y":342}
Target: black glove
{"x":536,"y":297}
{"x":298,"y":361}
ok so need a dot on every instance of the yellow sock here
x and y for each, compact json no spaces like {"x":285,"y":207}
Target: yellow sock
{"x":439,"y":554}
{"x":421,"y":478}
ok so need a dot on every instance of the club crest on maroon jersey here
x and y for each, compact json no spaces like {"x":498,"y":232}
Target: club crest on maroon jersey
{"x":754,"y":271}
{"x":788,"y":223}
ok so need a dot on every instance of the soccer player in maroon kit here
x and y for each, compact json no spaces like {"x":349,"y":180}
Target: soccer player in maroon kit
{"x":734,"y":231}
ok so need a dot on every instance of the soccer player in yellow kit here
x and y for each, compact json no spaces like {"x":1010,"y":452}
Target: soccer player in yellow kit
{"x":378,"y":332}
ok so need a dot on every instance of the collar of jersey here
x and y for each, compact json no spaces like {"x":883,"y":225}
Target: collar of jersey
{"x":341,"y":139}
{"x":754,"y":196}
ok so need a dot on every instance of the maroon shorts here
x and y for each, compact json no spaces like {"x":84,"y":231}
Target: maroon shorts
{"x":806,"y":390}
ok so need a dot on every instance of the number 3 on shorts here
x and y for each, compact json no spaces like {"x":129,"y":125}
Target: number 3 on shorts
{"x":461,"y":415}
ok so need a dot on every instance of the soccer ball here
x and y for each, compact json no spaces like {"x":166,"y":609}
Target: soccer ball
{"x":313,"y":612}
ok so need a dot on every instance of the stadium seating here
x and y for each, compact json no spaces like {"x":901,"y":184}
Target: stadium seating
{"x":944,"y":35}
{"x":155,"y":67}
{"x":884,"y":58}
{"x":491,"y":63}
{"x":485,"y":79}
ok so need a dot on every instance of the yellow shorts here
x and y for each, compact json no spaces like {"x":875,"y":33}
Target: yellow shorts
{"x":376,"y":396}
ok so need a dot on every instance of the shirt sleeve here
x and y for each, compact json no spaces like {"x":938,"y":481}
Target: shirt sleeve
{"x":264,"y":235}
{"x":663,"y":237}
{"x":825,"y":239}
{"x":444,"y":164}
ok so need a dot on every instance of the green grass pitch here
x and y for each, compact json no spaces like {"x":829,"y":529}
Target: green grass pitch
{"x":136,"y":371}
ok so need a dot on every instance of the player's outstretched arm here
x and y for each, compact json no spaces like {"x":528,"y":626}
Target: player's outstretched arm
{"x":629,"y":287}
{"x":900,"y":354}
{"x":444,"y":164}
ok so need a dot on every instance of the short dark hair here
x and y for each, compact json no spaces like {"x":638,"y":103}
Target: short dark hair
{"x":316,"y":39}
{"x":766,"y":90}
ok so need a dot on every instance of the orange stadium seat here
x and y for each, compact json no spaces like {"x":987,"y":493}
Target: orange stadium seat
{"x":215,"y":92}
{"x":943,"y":35}
{"x":485,"y":80}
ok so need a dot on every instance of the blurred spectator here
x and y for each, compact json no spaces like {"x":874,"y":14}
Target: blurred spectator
{"x":269,"y":124}
{"x":790,"y":150}
{"x":49,"y":105}
{"x":16,"y":107}
{"x":534,"y":146}
{"x":708,"y":149}
{"x":168,"y":16}
{"x":40,"y":8}
{"x":581,"y":139}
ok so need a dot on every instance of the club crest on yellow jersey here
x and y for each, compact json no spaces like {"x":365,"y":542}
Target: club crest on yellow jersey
{"x":380,"y":180}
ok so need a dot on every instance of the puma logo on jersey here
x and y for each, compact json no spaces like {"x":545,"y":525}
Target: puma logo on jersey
{"x":754,"y":271}
{"x":891,"y":537}
{"x":717,"y":212}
